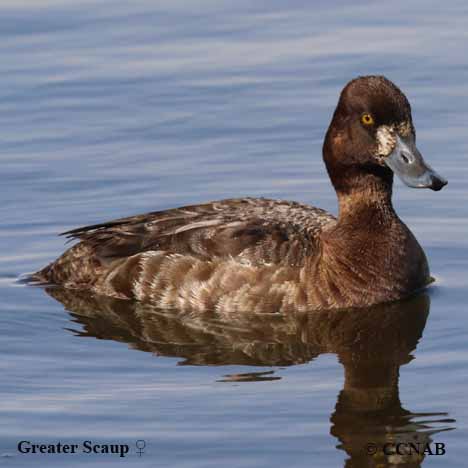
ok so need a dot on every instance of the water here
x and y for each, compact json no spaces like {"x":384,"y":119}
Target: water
{"x":113,"y":108}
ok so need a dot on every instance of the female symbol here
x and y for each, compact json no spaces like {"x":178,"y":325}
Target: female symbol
{"x":140,"y":445}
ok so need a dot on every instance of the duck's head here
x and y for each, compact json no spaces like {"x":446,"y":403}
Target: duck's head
{"x":371,"y":136}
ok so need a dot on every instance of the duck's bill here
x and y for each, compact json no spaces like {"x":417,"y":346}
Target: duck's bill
{"x":408,"y":164}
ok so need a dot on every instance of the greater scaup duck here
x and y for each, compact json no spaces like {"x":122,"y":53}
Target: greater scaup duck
{"x":260,"y":255}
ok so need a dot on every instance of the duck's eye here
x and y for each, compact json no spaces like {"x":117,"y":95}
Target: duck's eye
{"x":367,"y":119}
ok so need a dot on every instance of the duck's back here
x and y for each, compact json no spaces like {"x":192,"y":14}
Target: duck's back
{"x":218,"y":245}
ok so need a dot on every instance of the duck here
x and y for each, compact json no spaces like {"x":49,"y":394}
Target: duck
{"x":273,"y":256}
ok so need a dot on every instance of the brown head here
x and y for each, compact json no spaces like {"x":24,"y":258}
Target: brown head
{"x":371,"y":136}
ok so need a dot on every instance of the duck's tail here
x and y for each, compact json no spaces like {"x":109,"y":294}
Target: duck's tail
{"x":78,"y":268}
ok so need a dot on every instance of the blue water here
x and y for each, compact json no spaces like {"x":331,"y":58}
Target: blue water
{"x":112,"y":108}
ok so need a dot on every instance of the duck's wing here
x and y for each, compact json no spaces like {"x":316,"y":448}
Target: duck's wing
{"x":257,"y":230}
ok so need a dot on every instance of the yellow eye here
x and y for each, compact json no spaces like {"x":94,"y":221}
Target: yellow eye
{"x":367,"y":119}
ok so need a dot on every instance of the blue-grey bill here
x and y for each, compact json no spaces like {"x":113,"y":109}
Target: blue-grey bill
{"x":407,"y":163}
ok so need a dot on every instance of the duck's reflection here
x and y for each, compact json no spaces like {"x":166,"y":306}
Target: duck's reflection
{"x":371,"y":344}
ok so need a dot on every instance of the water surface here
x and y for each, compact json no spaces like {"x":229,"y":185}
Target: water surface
{"x":114,"y":108}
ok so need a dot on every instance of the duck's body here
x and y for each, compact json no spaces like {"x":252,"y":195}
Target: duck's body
{"x":263,"y":255}
{"x":248,"y":255}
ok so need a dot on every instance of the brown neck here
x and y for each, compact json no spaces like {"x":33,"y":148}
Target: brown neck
{"x":363,"y":187}
{"x":369,"y":256}
{"x":366,"y":204}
